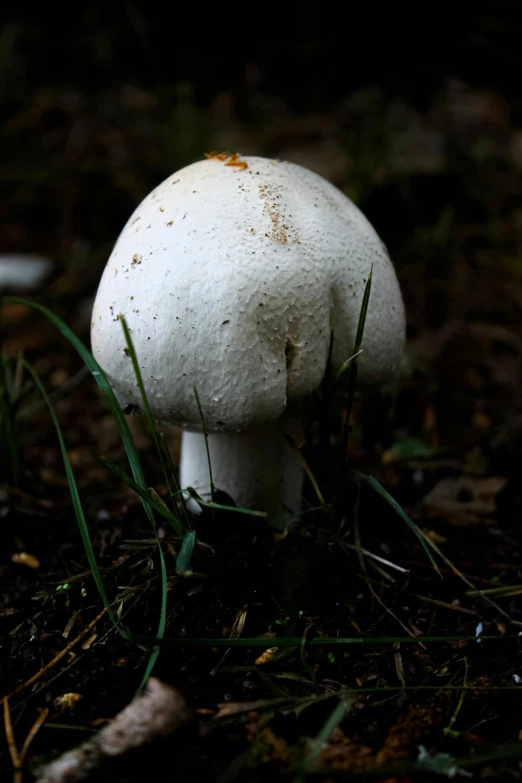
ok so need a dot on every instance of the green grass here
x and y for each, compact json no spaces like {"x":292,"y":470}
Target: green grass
{"x":352,"y":363}
{"x":205,"y":433}
{"x":185,"y":554}
{"x":163,"y":569}
{"x":311,"y":757}
{"x":132,"y":455}
{"x":10,"y":395}
{"x":323,"y":641}
{"x":379,"y":489}
{"x":77,"y":505}
{"x":151,"y":502}
{"x":146,"y":495}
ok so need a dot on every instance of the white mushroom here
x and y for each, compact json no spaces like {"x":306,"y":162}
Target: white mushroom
{"x":231,"y":275}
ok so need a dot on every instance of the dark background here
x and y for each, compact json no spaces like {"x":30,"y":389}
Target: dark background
{"x":99,"y":106}
{"x":418,"y":121}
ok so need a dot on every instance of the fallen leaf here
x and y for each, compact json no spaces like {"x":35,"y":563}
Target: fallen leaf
{"x":26,"y":559}
{"x":67,"y":701}
{"x":465,"y":500}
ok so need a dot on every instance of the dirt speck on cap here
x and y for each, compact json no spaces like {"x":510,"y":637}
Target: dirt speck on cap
{"x":279,"y":230}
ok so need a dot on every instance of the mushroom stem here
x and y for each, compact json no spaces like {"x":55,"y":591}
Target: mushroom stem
{"x":257,"y":468}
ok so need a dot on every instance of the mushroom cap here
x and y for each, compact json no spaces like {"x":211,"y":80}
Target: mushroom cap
{"x":231,"y":278}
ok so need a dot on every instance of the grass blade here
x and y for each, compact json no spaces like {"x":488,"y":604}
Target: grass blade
{"x":185,"y":554}
{"x":78,"y":510}
{"x":146,"y":406}
{"x":496,"y":592}
{"x":128,"y":442}
{"x":205,"y":433}
{"x":237,"y":509}
{"x":344,"y":366}
{"x":177,"y":490}
{"x":307,"y":469}
{"x":145,"y":494}
{"x":163,"y":569}
{"x":321,"y":741}
{"x":375,"y":485}
{"x":102,"y":381}
{"x":10,"y":459}
{"x":318,"y":641}
{"x":352,"y":373}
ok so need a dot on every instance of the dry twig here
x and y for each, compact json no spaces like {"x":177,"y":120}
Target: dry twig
{"x":55,"y":660}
